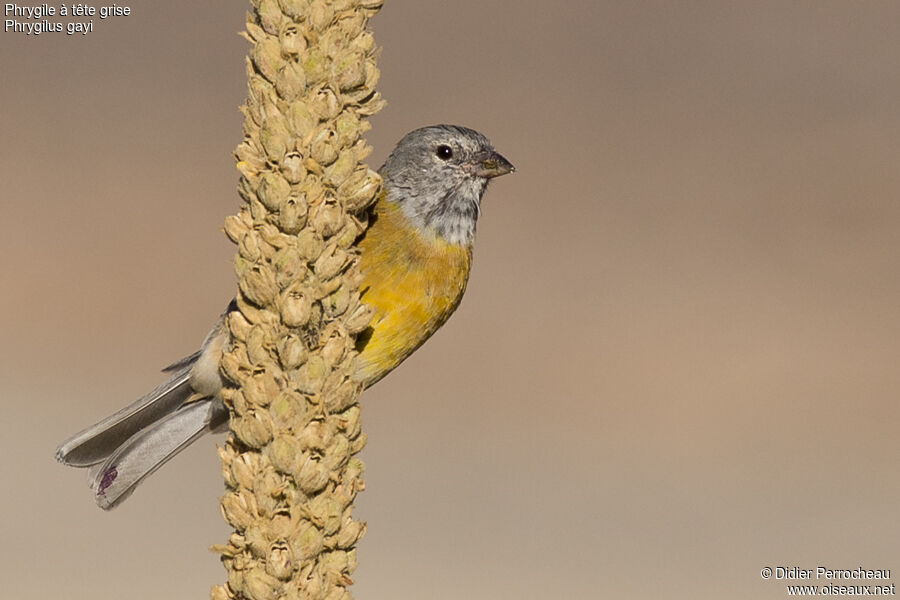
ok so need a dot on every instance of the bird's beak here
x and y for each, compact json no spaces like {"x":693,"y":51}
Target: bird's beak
{"x":491,"y":164}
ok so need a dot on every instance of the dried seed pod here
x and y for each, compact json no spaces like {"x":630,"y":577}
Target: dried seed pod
{"x":342,"y":397}
{"x":261,"y":585}
{"x":331,"y":261}
{"x":290,"y":82}
{"x":254,"y":33}
{"x":336,"y":303}
{"x":293,"y":215}
{"x":350,"y":532}
{"x":253,"y":428}
{"x":246,"y":189}
{"x":256,"y":345}
{"x":235,"y":228}
{"x":369,"y":104}
{"x":258,"y":212}
{"x":323,"y":149}
{"x":364,"y":42}
{"x":347,"y":235}
{"x":348,"y":128}
{"x":218,"y":592}
{"x":293,"y":168}
{"x":306,"y":540}
{"x":327,"y":217}
{"x":239,"y":509}
{"x":310,"y":377}
{"x":273,"y":190}
{"x":350,"y":421}
{"x":287,"y":409}
{"x":301,"y":120}
{"x":310,"y":244}
{"x":260,"y":388}
{"x":284,"y":452}
{"x":280,"y":561}
{"x":372,"y":77}
{"x":266,"y":57}
{"x":352,"y":561}
{"x":249,"y":161}
{"x":320,"y":15}
{"x":292,"y":41}
{"x":344,"y":9}
{"x":327,"y":511}
{"x":360,"y":189}
{"x":352,"y":72}
{"x":335,"y":562}
{"x":270,"y":16}
{"x":326,"y":104}
{"x":244,"y":468}
{"x":354,"y":470}
{"x":359,"y":318}
{"x":315,"y":437}
{"x":268,"y":493}
{"x":227,"y":474}
{"x":315,"y":64}
{"x":238,"y":325}
{"x":292,"y":351}
{"x":312,"y":476}
{"x":254,"y":314}
{"x":337,"y":452}
{"x":296,"y":9}
{"x":358,"y":444}
{"x":256,"y":539}
{"x":340,"y":170}
{"x":232,"y":368}
{"x":295,"y":306}
{"x":272,"y":236}
{"x":275,"y":138}
{"x":258,"y":286}
{"x":235,"y":575}
{"x":289,"y":266}
{"x":248,"y":247}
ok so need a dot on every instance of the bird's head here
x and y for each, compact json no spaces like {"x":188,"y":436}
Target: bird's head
{"x":438,"y":174}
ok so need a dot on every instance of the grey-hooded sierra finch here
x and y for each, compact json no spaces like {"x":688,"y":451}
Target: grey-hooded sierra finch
{"x":415,"y":259}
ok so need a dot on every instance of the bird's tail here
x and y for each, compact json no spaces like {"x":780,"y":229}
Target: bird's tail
{"x":129,"y":445}
{"x":115,"y":478}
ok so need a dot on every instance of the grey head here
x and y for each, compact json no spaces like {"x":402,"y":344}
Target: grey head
{"x":438,"y":174}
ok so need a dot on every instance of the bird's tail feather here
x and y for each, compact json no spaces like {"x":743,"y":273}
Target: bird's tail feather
{"x":100,"y":440}
{"x":144,"y":452}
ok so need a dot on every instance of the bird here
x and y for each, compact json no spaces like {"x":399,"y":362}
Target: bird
{"x":415,"y":258}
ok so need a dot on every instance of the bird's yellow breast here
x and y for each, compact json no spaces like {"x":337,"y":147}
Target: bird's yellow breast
{"x":413,"y":280}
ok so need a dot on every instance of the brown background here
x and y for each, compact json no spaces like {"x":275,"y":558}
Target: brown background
{"x":677,"y":361}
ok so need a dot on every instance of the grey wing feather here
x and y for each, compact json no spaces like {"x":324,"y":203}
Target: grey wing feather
{"x":95,"y":443}
{"x":183,"y":362}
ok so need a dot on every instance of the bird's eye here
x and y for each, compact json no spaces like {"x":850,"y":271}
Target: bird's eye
{"x":444,"y":152}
